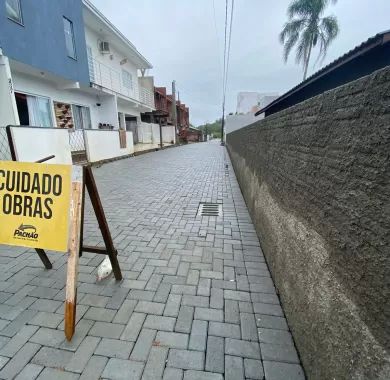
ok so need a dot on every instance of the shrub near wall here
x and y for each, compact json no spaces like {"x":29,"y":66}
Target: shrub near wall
{"x":316,"y":178}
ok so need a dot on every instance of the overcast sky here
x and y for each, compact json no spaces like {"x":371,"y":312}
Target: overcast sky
{"x":183,"y":41}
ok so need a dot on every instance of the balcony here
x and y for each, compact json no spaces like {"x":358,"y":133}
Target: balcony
{"x":105,"y":76}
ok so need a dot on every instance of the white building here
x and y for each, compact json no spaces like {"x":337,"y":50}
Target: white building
{"x":114,"y":69}
{"x":248,"y":103}
{"x":93,"y":78}
{"x":251,"y":102}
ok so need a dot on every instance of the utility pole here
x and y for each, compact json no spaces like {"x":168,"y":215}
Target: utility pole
{"x":174,"y":114}
{"x":178,"y":111}
{"x":223,"y":125}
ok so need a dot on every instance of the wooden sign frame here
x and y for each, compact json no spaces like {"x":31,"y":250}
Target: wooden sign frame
{"x":82,"y":179}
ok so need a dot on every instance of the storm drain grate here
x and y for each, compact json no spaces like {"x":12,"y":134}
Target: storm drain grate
{"x":210,"y":209}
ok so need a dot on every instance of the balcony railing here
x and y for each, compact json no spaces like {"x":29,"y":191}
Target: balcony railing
{"x":103,"y":75}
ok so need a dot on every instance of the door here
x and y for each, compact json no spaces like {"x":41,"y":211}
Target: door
{"x":131,"y":125}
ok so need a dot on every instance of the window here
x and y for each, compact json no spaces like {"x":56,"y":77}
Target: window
{"x":69,"y":38}
{"x":127,"y":79}
{"x":81,"y":117}
{"x":13,"y":10}
{"x":34,"y":110}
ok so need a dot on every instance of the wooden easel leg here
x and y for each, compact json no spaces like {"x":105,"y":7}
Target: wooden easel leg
{"x":82,"y":215}
{"x":45,"y":260}
{"x":41,"y":253}
{"x":101,"y":218}
{"x":74,"y":249}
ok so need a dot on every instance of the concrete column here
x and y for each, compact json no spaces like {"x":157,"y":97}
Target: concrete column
{"x":8,"y":110}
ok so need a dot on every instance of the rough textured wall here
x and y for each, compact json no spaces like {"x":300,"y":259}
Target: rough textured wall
{"x":316,"y":178}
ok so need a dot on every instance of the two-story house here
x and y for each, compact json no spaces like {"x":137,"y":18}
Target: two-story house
{"x":63,"y":64}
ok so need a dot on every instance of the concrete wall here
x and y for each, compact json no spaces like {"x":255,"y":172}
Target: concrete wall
{"x":316,"y":180}
{"x":234,"y":122}
{"x":48,"y":141}
{"x":42,"y":33}
{"x":168,"y":134}
{"x":104,"y":145}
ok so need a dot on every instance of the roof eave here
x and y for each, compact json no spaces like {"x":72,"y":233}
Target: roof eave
{"x":118,"y":33}
{"x":377,"y":40}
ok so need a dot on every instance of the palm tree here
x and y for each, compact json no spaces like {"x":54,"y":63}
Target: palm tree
{"x":306,"y":28}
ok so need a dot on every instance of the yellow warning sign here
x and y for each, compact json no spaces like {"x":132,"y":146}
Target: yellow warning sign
{"x":34,"y":205}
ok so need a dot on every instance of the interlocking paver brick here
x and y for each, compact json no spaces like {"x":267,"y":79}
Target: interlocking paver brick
{"x":282,"y":371}
{"x":271,"y":322}
{"x":94,"y":368}
{"x":173,"y":374}
{"x":248,"y":327}
{"x":17,"y":342}
{"x":17,"y":323}
{"x":208,"y":314}
{"x":226,"y":330}
{"x":200,"y":301}
{"x":143,"y":345}
{"x":242,"y":348}
{"x":82,"y":354}
{"x":125,"y":311}
{"x":100,"y":314}
{"x":215,"y":354}
{"x":216,"y":298}
{"x":160,"y":322}
{"x":148,"y":307}
{"x":237,"y":295}
{"x":46,"y":319}
{"x":48,"y":337}
{"x":268,"y":309}
{"x":114,"y":348}
{"x":172,"y":339}
{"x":118,"y":369}
{"x":201,"y":375}
{"x":173,"y":305}
{"x":19,"y":361}
{"x":198,"y":335}
{"x":234,"y":368}
{"x":275,"y":336}
{"x":253,"y":369}
{"x":184,"y":319}
{"x":106,"y":330}
{"x":155,"y":365}
{"x":279,"y":353}
{"x":57,"y":374}
{"x":185,"y":359}
{"x":30,"y":372}
{"x":3,"y":361}
{"x":52,"y":357}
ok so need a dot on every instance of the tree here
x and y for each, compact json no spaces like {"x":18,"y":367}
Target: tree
{"x":212,"y":128}
{"x":306,"y":28}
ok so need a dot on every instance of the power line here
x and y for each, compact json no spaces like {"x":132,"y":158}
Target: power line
{"x":228,"y":52}
{"x":217,"y":38}
{"x":226,"y":59}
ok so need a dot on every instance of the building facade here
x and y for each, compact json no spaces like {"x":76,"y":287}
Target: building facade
{"x":63,"y":64}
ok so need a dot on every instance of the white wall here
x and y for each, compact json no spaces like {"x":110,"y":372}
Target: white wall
{"x":168,"y":134}
{"x":145,"y":135}
{"x":103,"y":145}
{"x":8,"y":110}
{"x":111,"y":61}
{"x":39,"y":86}
{"x":155,"y":133}
{"x":234,"y":122}
{"x":108,"y":110}
{"x":33,"y":144}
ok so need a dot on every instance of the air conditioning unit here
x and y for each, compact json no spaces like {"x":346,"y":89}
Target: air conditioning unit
{"x":104,"y":47}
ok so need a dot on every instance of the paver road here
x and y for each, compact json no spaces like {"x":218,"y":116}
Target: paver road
{"x":197,"y":300}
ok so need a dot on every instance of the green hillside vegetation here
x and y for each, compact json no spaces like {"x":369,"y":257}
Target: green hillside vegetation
{"x":212,"y":128}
